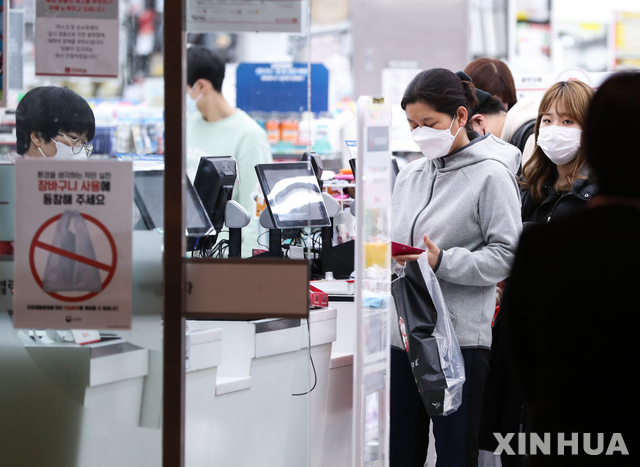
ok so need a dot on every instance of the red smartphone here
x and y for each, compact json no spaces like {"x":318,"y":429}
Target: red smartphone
{"x":398,"y":249}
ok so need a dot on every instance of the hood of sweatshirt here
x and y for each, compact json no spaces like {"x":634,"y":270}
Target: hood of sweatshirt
{"x":468,"y":203}
{"x":487,"y":147}
{"x":520,"y":113}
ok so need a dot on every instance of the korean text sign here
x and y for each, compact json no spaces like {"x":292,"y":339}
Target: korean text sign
{"x":73,"y":244}
{"x":77,"y":38}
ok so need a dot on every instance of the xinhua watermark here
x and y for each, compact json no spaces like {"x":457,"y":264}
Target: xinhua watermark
{"x":565,"y":444}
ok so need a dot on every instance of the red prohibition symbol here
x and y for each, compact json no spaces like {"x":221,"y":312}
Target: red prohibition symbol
{"x":111,"y":269}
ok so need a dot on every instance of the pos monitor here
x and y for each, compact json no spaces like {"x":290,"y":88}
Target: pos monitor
{"x":214,"y":184}
{"x":148,"y":192}
{"x":293,"y":195}
{"x":394,"y":166}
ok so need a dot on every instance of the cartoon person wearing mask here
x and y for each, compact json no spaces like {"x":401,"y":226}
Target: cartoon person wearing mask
{"x":54,"y":122}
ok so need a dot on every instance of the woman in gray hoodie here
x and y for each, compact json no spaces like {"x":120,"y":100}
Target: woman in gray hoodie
{"x":461,"y":203}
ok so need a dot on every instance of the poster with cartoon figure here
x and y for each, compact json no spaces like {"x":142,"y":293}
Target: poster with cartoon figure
{"x":73,"y":258}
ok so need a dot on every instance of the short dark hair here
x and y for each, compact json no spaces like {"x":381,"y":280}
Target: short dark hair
{"x":493,"y":76}
{"x":491,"y":106}
{"x":611,"y":152}
{"x":204,"y":63}
{"x":442,"y":90}
{"x":49,"y":110}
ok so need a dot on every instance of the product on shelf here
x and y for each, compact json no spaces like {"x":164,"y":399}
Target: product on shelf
{"x":272,"y":125}
{"x":289,"y":128}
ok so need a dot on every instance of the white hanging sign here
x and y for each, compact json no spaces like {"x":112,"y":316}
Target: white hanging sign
{"x":73,"y":226}
{"x":77,"y":38}
{"x":244,"y":15}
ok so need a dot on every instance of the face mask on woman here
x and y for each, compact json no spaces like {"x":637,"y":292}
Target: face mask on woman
{"x":434,"y":143}
{"x":559,"y":144}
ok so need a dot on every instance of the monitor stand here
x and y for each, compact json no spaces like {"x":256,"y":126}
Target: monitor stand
{"x":275,"y":237}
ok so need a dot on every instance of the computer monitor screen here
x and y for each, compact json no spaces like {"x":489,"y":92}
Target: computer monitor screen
{"x":148,"y":190}
{"x":394,"y":166}
{"x":214,"y":184}
{"x":293,"y":196}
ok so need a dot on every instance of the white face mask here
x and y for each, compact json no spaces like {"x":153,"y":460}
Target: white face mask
{"x":434,"y":143}
{"x":560,"y":144}
{"x":65,"y":152}
{"x":192,"y":104}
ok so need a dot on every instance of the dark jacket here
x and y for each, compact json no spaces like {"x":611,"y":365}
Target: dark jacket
{"x":502,"y":409}
{"x":574,"y":347}
{"x":556,"y":204}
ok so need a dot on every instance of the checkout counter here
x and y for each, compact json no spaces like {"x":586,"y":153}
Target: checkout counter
{"x":268,"y":392}
{"x":107,"y":377}
{"x":282,"y":387}
{"x":257,"y":393}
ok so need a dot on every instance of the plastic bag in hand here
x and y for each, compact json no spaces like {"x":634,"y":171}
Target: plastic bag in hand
{"x":429,"y":338}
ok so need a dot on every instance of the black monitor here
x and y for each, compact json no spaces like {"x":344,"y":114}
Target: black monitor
{"x":293,"y":195}
{"x":148,"y":192}
{"x":316,"y":165}
{"x":352,"y":164}
{"x":394,"y":166}
{"x":214,"y":184}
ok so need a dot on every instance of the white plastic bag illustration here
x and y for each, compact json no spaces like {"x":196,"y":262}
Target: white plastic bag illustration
{"x":65,"y":274}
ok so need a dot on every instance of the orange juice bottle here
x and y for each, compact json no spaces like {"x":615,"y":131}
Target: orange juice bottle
{"x":377,"y":254}
{"x":272,"y":125}
{"x":289,"y":128}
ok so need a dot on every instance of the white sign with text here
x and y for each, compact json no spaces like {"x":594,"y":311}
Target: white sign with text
{"x":244,"y":15}
{"x":73,"y":262}
{"x":77,"y":38}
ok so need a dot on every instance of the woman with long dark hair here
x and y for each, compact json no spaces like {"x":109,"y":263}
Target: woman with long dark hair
{"x":460,"y":203}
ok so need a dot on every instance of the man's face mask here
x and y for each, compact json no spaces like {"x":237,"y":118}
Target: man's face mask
{"x":192,"y":104}
{"x":65,"y":152}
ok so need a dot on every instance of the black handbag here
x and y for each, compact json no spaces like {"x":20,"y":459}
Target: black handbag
{"x":426,"y":340}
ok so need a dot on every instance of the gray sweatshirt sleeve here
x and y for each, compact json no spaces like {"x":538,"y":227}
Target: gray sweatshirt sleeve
{"x":500,"y":221}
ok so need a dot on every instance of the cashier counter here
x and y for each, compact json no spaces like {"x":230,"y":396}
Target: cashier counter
{"x":240,"y":377}
{"x":107,"y":377}
{"x":240,"y":381}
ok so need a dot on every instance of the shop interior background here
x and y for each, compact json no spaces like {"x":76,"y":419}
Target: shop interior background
{"x":370,"y":47}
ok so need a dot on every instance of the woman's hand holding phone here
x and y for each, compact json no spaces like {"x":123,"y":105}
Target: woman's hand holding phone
{"x":402,"y":259}
{"x":433,"y":253}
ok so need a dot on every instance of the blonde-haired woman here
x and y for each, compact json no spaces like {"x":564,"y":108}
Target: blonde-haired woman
{"x":555,"y":180}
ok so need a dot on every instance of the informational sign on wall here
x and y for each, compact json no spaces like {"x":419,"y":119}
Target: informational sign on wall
{"x":73,"y":244}
{"x":281,"y":87}
{"x":77,"y":38}
{"x":244,"y":15}
{"x":535,"y":85}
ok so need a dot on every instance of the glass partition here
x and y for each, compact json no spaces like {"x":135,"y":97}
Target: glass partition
{"x":272,"y":386}
{"x":91,"y":396}
{"x":257,"y":357}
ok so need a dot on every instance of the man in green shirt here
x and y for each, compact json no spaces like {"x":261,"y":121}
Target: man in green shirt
{"x":215,"y":128}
